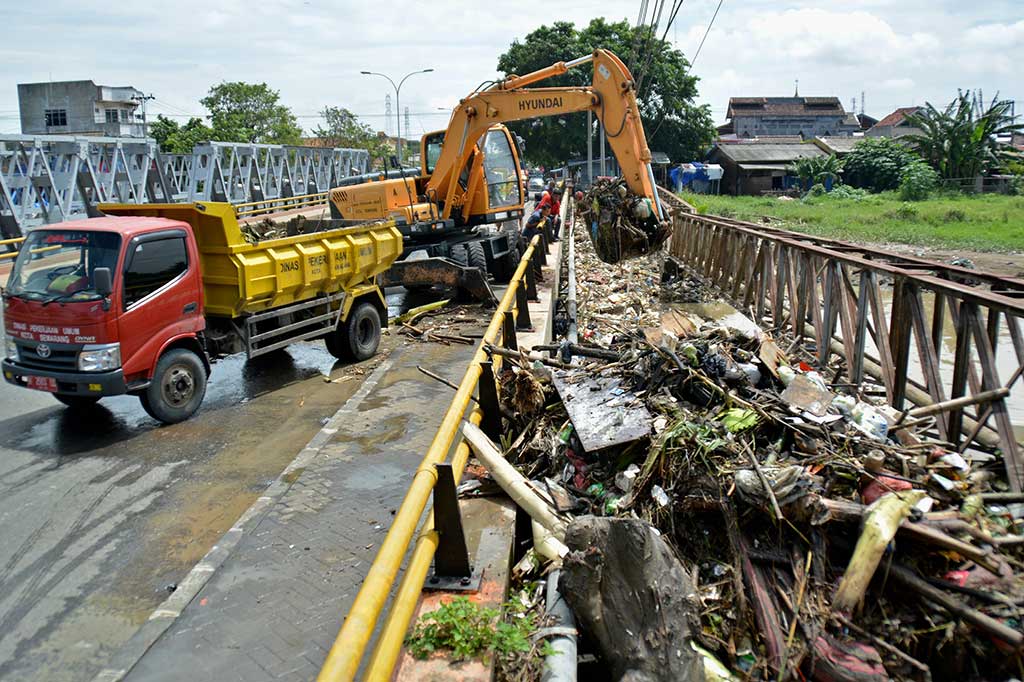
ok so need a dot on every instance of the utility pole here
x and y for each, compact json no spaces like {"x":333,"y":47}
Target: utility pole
{"x":143,"y":99}
{"x":590,"y":147}
{"x":398,"y":105}
{"x":408,"y":127}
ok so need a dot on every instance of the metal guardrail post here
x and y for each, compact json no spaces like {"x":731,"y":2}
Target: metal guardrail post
{"x":488,"y":391}
{"x":452,"y":568}
{"x":523,"y":319}
{"x":508,"y":329}
{"x":532,"y":274}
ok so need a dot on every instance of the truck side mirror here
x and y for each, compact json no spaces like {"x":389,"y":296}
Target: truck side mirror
{"x":103,"y":283}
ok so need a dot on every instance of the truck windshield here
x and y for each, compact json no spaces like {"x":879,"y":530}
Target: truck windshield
{"x":501,"y":171}
{"x":59,"y":264}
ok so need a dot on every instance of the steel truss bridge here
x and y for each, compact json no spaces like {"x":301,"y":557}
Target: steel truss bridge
{"x":53,"y":178}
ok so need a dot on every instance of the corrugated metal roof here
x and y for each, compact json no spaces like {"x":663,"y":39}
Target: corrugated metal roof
{"x":838,"y":145}
{"x":766,"y":153}
{"x":764,"y":166}
{"x":660,"y":159}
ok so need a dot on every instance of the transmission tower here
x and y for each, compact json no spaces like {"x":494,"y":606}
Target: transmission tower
{"x":407,"y":126}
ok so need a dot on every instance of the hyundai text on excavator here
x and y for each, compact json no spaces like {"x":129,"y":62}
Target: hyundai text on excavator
{"x":470,"y":173}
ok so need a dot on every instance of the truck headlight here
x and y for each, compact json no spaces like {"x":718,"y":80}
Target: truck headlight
{"x":11,"y":349}
{"x":100,"y":358}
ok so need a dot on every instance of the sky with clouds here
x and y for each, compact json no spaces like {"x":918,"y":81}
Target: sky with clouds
{"x":898,"y":52}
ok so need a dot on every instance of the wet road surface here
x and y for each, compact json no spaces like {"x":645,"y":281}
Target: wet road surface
{"x":102,"y":511}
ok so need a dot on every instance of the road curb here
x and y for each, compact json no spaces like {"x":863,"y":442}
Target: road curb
{"x":132,"y":651}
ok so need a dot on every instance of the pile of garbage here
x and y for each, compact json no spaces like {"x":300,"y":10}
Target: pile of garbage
{"x":719,"y":505}
{"x":267,"y":229}
{"x":620,"y":224}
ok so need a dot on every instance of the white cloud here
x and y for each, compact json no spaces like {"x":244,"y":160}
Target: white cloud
{"x":997,"y":35}
{"x":313,"y":50}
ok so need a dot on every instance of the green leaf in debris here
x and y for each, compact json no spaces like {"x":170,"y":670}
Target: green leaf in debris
{"x":738,"y":419}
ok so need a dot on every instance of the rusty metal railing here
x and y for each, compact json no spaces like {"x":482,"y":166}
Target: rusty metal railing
{"x":346,"y":654}
{"x":252,"y":208}
{"x":938,"y":336}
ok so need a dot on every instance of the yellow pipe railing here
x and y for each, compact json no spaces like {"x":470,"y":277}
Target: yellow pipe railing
{"x":347,"y":651}
{"x":8,"y":242}
{"x":250,"y":208}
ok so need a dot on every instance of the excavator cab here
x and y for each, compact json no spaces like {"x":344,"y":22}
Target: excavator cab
{"x":489,"y":189}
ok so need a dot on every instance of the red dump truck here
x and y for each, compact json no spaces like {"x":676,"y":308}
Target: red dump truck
{"x":143,"y":299}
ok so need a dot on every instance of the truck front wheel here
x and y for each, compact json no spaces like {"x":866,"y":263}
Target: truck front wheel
{"x":177,"y":388}
{"x":358,"y":337}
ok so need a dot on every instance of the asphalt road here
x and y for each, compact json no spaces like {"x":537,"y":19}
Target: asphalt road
{"x":102,"y":511}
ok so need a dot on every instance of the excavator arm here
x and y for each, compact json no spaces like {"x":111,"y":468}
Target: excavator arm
{"x":611,"y":97}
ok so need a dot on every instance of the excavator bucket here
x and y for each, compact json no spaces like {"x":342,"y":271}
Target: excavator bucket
{"x":620,"y":224}
{"x":424,"y":272}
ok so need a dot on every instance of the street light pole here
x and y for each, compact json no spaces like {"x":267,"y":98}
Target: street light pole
{"x":398,"y":103}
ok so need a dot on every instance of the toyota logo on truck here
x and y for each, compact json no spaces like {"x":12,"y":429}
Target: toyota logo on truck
{"x":43,"y":351}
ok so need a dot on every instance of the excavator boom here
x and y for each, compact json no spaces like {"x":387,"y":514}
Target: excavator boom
{"x":611,"y":97}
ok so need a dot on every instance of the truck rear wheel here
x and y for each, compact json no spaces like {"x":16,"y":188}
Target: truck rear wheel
{"x":177,"y":388}
{"x":358,"y":337}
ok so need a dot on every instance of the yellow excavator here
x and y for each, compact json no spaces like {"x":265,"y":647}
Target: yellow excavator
{"x":466,"y":202}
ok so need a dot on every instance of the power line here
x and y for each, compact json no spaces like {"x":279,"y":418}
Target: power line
{"x":710,"y":24}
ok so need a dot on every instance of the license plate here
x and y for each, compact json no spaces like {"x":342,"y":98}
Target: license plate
{"x":42,"y":383}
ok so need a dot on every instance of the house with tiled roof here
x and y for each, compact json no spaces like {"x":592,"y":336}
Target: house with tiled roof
{"x":895,"y":124}
{"x":805,"y":117}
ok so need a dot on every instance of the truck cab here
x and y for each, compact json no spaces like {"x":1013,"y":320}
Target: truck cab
{"x":91,"y":304}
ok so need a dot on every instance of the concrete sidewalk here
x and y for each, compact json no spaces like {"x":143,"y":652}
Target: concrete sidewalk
{"x":267,"y":602}
{"x":272,"y":608}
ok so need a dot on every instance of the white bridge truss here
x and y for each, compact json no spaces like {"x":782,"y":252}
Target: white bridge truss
{"x":53,"y":178}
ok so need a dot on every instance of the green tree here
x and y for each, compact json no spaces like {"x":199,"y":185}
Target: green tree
{"x":341,"y":128}
{"x":674,"y":124}
{"x":961,"y":141}
{"x":918,"y":181}
{"x":175,"y":138}
{"x":815,"y":170}
{"x":877,"y":164}
{"x":250,"y":112}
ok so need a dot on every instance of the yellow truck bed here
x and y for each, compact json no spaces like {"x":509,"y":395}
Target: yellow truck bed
{"x":241,"y":278}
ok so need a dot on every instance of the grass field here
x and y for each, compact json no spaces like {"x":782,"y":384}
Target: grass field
{"x":987,"y":222}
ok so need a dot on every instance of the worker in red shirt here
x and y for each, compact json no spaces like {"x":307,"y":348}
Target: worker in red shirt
{"x":553,"y":202}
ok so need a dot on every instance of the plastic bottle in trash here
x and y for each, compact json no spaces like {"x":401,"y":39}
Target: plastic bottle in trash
{"x":870,"y":421}
{"x":786,"y":375}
